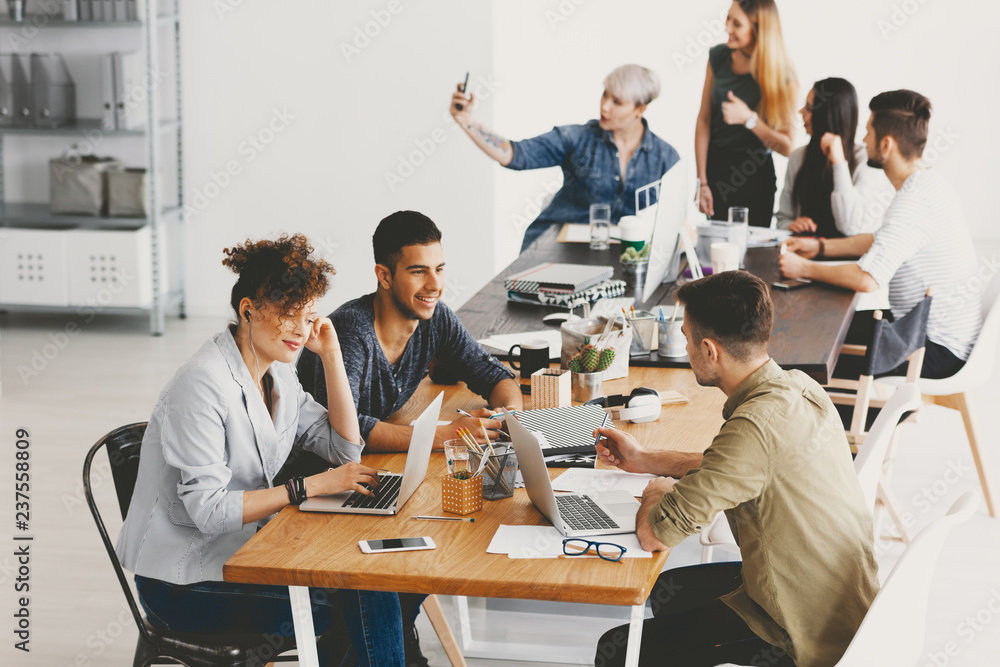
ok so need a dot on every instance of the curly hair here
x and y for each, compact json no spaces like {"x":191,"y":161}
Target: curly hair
{"x":280,"y":273}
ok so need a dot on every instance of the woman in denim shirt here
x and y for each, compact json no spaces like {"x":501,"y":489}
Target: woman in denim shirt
{"x":220,"y":431}
{"x":603,"y":161}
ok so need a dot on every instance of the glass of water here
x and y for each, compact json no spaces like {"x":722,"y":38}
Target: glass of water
{"x":600,"y":226}
{"x":739,"y":224}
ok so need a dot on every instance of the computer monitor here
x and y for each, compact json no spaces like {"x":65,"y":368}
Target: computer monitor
{"x":665,"y":244}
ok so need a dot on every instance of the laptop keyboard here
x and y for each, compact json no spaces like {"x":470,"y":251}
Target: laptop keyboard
{"x":582,"y":513}
{"x":383,"y":497}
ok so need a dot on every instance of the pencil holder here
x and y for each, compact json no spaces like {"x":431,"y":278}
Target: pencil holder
{"x":461,"y":496}
{"x":498,"y":475}
{"x":550,"y":388}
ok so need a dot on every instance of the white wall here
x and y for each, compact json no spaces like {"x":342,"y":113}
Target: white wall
{"x":544,"y":60}
{"x":352,"y":118}
{"x":552,"y":57}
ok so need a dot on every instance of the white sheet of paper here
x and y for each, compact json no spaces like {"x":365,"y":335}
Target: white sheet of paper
{"x":505,"y":341}
{"x":546,"y":542}
{"x":594,"y":482}
{"x":580,"y":233}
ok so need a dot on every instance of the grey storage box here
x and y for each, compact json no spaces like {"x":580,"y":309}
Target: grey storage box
{"x":127,"y":193}
{"x":79,"y":186}
{"x":53,"y":91}
{"x":15,"y":91}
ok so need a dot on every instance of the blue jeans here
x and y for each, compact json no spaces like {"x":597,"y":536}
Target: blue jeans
{"x":372,"y":618}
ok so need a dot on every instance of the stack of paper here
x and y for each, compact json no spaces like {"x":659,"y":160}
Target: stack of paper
{"x":546,"y":542}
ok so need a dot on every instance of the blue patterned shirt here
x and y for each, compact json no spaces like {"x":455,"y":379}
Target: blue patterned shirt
{"x":589,"y":160}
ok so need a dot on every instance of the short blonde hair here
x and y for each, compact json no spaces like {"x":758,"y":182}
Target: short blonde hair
{"x":634,"y":83}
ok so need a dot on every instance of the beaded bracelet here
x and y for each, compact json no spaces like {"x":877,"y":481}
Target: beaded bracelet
{"x":296,"y":488}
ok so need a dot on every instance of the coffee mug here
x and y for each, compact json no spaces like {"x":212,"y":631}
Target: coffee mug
{"x":534,"y":355}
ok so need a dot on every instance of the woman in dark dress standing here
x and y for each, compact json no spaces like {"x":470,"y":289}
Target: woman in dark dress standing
{"x":747,"y":111}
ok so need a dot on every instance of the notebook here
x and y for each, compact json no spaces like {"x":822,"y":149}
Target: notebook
{"x":556,"y":277}
{"x":393,"y":490}
{"x":567,"y":430}
{"x":573,"y":515}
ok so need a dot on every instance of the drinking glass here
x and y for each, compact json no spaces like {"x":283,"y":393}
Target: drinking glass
{"x":739,"y":221}
{"x":600,"y":226}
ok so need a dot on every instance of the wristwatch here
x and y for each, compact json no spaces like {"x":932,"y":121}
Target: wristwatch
{"x":751,"y":121}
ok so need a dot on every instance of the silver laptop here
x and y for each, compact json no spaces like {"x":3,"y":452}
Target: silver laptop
{"x":574,"y":515}
{"x":393,"y":490}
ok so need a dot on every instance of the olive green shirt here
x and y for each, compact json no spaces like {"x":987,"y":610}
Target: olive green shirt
{"x":781,"y":470}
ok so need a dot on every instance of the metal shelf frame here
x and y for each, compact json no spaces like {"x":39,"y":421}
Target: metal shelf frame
{"x":36,"y":216}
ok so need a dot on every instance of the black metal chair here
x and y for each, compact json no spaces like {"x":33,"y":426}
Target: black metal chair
{"x":157,"y":645}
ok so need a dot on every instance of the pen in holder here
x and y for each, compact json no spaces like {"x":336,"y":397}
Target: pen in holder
{"x":462,"y":495}
{"x":498,"y":475}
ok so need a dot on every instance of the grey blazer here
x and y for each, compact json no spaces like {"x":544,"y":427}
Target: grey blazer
{"x":210,"y":439}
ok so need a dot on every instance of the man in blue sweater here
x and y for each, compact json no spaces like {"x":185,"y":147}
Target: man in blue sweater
{"x":390,"y":338}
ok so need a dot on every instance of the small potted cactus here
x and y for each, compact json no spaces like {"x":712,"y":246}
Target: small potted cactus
{"x":588,"y":366}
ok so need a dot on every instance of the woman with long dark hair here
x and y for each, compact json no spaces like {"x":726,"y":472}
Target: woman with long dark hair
{"x":830,"y":190}
{"x":220,"y":431}
{"x":747,"y":111}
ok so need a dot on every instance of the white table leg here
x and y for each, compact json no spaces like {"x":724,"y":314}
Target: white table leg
{"x":634,"y":636}
{"x":305,"y":633}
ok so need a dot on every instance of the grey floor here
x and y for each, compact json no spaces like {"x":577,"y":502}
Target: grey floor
{"x":70,"y":387}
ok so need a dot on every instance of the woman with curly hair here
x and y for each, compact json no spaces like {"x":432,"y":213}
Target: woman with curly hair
{"x":220,"y":431}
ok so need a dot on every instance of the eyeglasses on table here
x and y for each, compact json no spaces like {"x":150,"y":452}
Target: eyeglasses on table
{"x":573,"y":546}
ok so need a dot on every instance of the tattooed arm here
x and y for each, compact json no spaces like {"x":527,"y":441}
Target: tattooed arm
{"x":489,"y":142}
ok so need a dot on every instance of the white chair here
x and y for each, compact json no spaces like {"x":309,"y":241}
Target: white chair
{"x":892,"y":632}
{"x":951,"y":392}
{"x":868,"y":465}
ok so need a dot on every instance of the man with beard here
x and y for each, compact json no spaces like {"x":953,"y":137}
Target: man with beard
{"x":389,"y":339}
{"x":922,"y":243}
{"x":781,"y":470}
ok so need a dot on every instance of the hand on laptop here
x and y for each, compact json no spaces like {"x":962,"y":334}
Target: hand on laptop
{"x":620,"y":449}
{"x":348,"y":477}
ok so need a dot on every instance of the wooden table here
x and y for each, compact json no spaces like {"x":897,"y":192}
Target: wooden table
{"x":300,"y":549}
{"x":809,"y":324}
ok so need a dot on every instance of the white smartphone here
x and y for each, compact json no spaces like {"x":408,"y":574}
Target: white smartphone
{"x":396,"y":544}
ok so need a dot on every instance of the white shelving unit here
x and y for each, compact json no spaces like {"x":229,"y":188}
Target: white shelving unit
{"x":80,"y":264}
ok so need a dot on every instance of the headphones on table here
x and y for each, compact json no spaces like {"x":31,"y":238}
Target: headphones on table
{"x":642,"y":405}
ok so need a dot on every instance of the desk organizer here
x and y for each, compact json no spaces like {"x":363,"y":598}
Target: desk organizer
{"x":498,"y":476}
{"x":550,"y":388}
{"x":461,"y":496}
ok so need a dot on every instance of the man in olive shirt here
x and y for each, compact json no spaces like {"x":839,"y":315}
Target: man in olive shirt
{"x":781,"y":470}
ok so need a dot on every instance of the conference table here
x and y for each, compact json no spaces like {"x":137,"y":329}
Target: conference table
{"x":301,"y":549}
{"x":810,"y":324}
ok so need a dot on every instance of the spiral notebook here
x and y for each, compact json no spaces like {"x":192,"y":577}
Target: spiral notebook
{"x":567,"y":430}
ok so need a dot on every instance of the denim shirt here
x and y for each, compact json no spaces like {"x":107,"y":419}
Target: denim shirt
{"x":590,"y":165}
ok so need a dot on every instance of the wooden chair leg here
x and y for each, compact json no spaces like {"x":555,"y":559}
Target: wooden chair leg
{"x":960,"y":403}
{"x":888,"y":501}
{"x":432,"y":607}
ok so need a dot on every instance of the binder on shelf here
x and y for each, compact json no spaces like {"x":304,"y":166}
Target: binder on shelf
{"x":556,"y":277}
{"x":120,"y":10}
{"x":53,"y":91}
{"x":128,"y":78}
{"x":15,"y":92}
{"x":84,"y":10}
{"x":107,"y":10}
{"x":70,"y":11}
{"x":108,"y":92}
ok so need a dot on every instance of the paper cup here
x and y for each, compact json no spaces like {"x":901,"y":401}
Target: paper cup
{"x":725,"y":257}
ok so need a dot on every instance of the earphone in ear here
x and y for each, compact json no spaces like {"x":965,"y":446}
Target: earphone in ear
{"x":246,"y":314}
